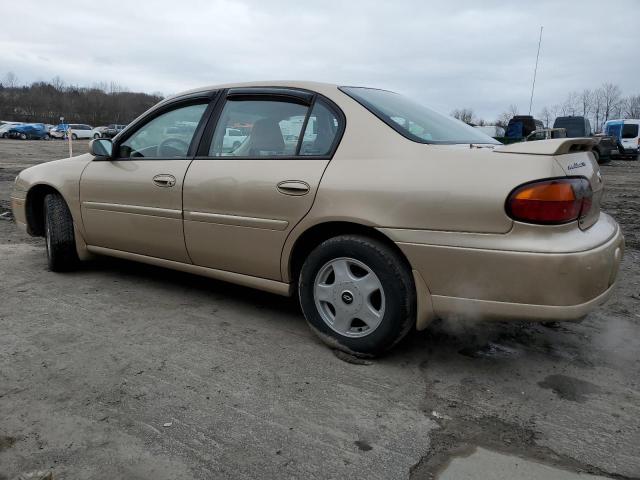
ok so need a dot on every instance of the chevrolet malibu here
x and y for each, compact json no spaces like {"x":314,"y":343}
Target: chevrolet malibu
{"x":377,"y":213}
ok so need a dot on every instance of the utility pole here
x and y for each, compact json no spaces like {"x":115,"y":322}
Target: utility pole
{"x":535,"y":71}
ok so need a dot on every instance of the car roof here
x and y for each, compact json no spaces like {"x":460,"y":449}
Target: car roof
{"x":319,"y":87}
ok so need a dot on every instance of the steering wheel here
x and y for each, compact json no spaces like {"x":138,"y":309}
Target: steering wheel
{"x":178,"y":149}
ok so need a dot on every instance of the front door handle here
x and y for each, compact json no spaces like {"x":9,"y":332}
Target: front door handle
{"x":164,"y":180}
{"x":294,"y":187}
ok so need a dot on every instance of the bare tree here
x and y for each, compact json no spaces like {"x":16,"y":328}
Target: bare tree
{"x":631,"y":107}
{"x":57,"y":83}
{"x":46,"y":102}
{"x":597,"y":106}
{"x":571,"y":104}
{"x":10,"y":80}
{"x":546,"y":116}
{"x":610,"y":99}
{"x":586,"y":101}
{"x":504,"y":117}
{"x":463,"y":114}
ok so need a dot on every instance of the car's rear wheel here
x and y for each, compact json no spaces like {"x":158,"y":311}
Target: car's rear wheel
{"x":357,"y":294}
{"x":74,"y":136}
{"x":23,"y":136}
{"x":59,"y":235}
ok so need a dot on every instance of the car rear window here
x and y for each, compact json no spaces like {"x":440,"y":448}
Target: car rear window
{"x":630,"y":130}
{"x":575,"y":126}
{"x":414,"y":121}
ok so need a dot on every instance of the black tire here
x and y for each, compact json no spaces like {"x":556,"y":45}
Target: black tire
{"x":74,"y":136}
{"x":23,"y":136}
{"x":59,"y":235}
{"x":397,"y":285}
{"x":96,"y":136}
{"x":596,"y":154}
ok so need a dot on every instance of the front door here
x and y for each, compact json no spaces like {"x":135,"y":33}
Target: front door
{"x":133,"y":203}
{"x":241,"y":200}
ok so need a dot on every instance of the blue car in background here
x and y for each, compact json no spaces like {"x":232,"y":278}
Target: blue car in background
{"x":29,"y":131}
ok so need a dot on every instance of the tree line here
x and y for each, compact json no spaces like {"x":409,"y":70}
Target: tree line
{"x":598,"y":105}
{"x":46,"y":102}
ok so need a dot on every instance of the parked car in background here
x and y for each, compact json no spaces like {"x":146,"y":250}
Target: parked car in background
{"x":494,"y":131}
{"x":578,"y":126}
{"x":606,"y":148}
{"x":76,"y":130}
{"x":6,"y":126}
{"x":59,"y":131}
{"x":521,"y":126}
{"x":29,"y":131}
{"x":351,"y":220}
{"x":574,"y":125}
{"x":98,"y":132}
{"x":546,"y":134}
{"x":80,"y":130}
{"x":233,"y":138}
{"x":628,"y":132}
{"x":112,"y":130}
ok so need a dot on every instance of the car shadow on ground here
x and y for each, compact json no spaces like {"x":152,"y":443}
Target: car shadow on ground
{"x":495,"y":341}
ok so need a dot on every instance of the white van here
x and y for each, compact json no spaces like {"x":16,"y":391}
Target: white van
{"x":628,"y":132}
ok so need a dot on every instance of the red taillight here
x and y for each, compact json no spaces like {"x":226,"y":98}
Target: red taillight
{"x":560,"y":200}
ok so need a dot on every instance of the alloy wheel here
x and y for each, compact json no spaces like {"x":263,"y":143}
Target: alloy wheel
{"x":349,"y":297}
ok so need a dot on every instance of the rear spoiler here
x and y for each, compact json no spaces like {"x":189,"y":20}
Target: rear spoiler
{"x":555,"y":146}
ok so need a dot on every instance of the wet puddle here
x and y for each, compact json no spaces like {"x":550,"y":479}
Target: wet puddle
{"x":482,"y":464}
{"x":490,"y":350}
{"x":570,"y":388}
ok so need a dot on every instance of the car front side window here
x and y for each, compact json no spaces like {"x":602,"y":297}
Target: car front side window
{"x":168,"y":135}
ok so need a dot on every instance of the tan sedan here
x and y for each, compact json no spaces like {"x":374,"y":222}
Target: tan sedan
{"x":378,"y":213}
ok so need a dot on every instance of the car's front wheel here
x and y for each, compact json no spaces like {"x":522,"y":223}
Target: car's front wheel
{"x":357,"y":294}
{"x":59,"y":235}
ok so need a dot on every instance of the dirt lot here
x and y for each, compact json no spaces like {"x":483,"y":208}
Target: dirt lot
{"x":129,"y":371}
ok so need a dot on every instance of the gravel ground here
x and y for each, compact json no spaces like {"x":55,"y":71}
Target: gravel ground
{"x":129,"y":371}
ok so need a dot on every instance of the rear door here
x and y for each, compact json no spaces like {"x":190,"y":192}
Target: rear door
{"x":133,"y":203}
{"x":629,"y":136}
{"x":241,"y":201}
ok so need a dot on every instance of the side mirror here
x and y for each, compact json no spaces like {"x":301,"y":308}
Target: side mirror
{"x":101,"y":147}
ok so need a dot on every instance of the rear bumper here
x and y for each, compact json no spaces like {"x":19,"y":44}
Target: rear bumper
{"x":524,"y":274}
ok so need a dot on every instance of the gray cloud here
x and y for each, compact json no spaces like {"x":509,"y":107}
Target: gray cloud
{"x":446,"y":54}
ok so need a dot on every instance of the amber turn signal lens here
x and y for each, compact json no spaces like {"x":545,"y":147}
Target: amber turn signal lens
{"x":555,"y":201}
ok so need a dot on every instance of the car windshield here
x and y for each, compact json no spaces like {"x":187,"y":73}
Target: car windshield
{"x":414,"y":121}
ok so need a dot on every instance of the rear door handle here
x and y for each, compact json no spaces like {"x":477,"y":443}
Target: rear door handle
{"x":164,"y":180}
{"x":294,"y":187}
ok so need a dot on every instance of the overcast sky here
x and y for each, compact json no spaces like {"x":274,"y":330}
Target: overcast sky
{"x":448,"y":54}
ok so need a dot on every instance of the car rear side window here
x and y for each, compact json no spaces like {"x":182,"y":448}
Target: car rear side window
{"x":168,"y":135}
{"x":414,"y":121}
{"x":269,"y":128}
{"x":321,"y":132}
{"x":630,"y":130}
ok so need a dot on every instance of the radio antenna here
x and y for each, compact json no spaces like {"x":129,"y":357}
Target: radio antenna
{"x":535,"y":71}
